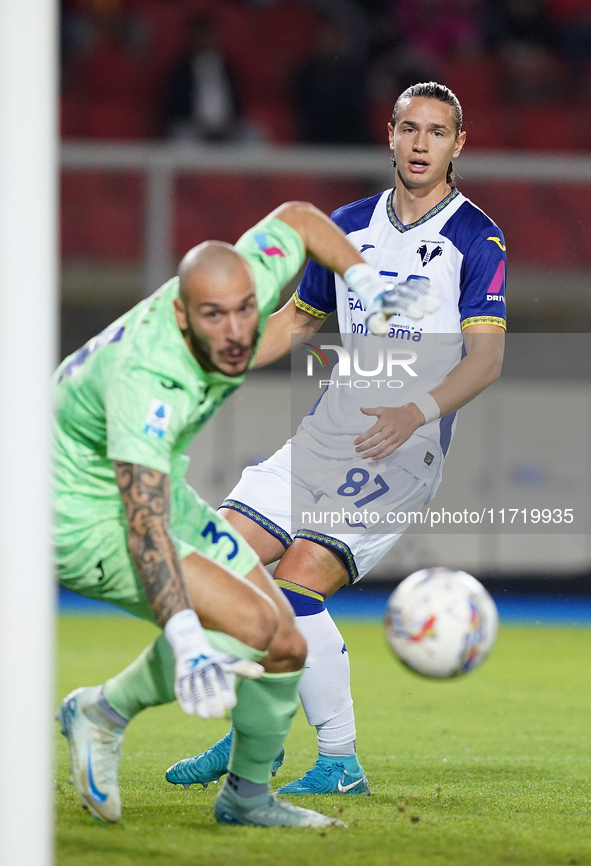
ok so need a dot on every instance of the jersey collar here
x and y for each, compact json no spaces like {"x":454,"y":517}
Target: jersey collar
{"x":435,"y":210}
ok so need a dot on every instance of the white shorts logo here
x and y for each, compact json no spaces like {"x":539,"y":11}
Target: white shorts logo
{"x":158,"y":419}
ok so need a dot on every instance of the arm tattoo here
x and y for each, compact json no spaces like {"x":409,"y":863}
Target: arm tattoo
{"x":146,"y":498}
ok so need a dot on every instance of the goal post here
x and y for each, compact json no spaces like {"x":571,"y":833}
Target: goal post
{"x":28,"y":268}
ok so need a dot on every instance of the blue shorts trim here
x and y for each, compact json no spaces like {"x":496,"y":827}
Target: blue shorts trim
{"x":263,"y":521}
{"x":334,"y":544}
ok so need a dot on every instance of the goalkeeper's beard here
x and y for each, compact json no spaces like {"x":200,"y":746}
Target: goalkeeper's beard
{"x":202,"y":352}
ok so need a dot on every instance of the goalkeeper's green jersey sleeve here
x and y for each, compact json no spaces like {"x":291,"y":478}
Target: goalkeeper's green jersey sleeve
{"x":136,"y":394}
{"x":275,"y":252}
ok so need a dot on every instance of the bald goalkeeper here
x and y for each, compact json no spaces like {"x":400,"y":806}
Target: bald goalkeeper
{"x":130,"y":530}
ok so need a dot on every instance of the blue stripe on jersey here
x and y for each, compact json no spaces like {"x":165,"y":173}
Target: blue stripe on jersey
{"x":317,"y":288}
{"x":356,"y":216}
{"x":445,"y":427}
{"x":463,"y":226}
{"x":484,"y":266}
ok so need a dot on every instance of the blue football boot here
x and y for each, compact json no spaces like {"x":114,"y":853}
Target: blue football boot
{"x":330,"y":775}
{"x":210,"y":765}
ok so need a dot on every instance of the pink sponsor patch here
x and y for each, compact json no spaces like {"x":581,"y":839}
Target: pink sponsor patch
{"x":273,"y":251}
{"x":496,"y":285}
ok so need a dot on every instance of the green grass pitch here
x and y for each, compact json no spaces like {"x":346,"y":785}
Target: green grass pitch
{"x":489,"y":769}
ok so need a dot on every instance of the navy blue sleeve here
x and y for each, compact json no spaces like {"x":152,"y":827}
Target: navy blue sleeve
{"x":483,"y":279}
{"x":316,"y":293}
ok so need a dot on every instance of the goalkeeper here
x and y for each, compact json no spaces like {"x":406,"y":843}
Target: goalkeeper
{"x":130,"y":531}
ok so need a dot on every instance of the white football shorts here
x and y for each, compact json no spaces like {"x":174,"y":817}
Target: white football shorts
{"x":277,"y":496}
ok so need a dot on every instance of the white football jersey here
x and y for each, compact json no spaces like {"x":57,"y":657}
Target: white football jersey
{"x":459,"y":249}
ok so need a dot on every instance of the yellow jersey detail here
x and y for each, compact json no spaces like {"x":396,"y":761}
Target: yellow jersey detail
{"x":498,"y":242}
{"x":263,"y":521}
{"x":435,"y":210}
{"x":485,"y":320}
{"x":295,"y":587}
{"x":302,"y":305}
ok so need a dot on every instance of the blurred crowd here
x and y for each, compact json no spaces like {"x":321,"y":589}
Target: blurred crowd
{"x":323,"y":71}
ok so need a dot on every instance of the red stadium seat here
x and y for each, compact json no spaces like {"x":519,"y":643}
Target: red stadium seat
{"x":115,"y":120}
{"x":475,"y":82}
{"x":224,"y":206}
{"x":111,"y":84}
{"x":79,"y":189}
{"x":535,"y":231}
{"x":583,"y":125}
{"x":326,"y":194}
{"x":110,"y":70}
{"x":72,"y":233}
{"x":72,"y":116}
{"x":287,"y":28}
{"x":485,"y":128}
{"x":567,"y":8}
{"x":299,"y":187}
{"x":572,"y":202}
{"x":212,"y":206}
{"x":272,"y":120}
{"x":503,"y":202}
{"x":165,"y":23}
{"x":379,"y":117}
{"x":543,"y":241}
{"x":547,"y":127}
{"x":115,"y":232}
{"x":102,"y":216}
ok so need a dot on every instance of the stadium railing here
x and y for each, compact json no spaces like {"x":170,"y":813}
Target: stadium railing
{"x":161,"y":165}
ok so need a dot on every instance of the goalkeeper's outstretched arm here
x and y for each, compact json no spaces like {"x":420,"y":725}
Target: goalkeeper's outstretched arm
{"x":323,"y":240}
{"x":327,"y":244}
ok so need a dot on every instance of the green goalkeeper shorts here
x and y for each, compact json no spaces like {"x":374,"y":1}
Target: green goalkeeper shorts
{"x":93,"y":559}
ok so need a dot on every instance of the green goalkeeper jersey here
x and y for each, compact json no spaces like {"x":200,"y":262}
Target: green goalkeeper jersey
{"x":135,"y":393}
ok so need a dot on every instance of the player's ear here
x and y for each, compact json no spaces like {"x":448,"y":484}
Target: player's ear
{"x":391,"y":135}
{"x":460,"y":141}
{"x":181,"y":314}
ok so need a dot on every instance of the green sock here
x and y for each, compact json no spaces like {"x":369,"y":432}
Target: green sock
{"x":149,"y":680}
{"x":262,"y":719}
{"x":146,"y":682}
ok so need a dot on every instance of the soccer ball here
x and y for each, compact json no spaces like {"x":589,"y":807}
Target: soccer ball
{"x":441,"y":623}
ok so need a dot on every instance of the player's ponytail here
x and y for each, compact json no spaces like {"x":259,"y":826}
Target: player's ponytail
{"x":450,"y":177}
{"x":432,"y":90}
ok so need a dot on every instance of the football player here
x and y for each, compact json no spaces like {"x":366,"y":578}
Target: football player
{"x":421,"y":231}
{"x":130,"y":531}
